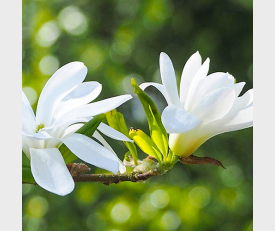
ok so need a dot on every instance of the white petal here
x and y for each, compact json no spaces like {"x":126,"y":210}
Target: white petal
{"x":25,"y":147}
{"x":190,"y":69}
{"x":33,"y":142}
{"x":177,"y":120}
{"x":238,"y":88}
{"x":58,"y":129}
{"x":238,"y":121}
{"x":84,"y":93}
{"x":210,"y":83}
{"x":160,"y":87}
{"x":63,"y":81}
{"x":114,"y":134}
{"x":249,"y":105}
{"x":26,"y":102}
{"x":28,"y":118}
{"x":89,"y":110}
{"x":200,"y":75}
{"x":50,"y":171}
{"x":215,"y":105}
{"x":91,"y":152}
{"x":53,"y":143}
{"x":71,"y":129}
{"x":39,"y":136}
{"x":184,"y":144}
{"x":242,"y":102}
{"x":96,"y":135}
{"x":168,"y":77}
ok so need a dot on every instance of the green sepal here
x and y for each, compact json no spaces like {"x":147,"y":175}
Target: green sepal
{"x":87,"y":129}
{"x":145,"y":143}
{"x":157,"y":130}
{"x":116,"y":120}
{"x":27,"y":176}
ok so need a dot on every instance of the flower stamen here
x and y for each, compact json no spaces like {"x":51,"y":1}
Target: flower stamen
{"x":40,"y":126}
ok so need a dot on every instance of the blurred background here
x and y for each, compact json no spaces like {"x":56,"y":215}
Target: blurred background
{"x":117,"y":40}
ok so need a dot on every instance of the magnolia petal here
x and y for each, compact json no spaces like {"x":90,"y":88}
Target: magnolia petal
{"x":84,"y":93}
{"x":190,"y":69}
{"x":238,"y":88}
{"x":160,"y":87}
{"x":28,"y":118}
{"x":92,"y":109}
{"x":28,"y":122}
{"x":200,"y":75}
{"x":91,"y":152}
{"x":53,"y":143}
{"x":41,"y":135}
{"x":71,"y":129}
{"x":25,"y":147}
{"x":238,"y":121}
{"x":58,"y":129}
{"x":210,"y":83}
{"x":177,"y":120}
{"x":184,"y":144}
{"x":33,"y":142}
{"x":50,"y":171}
{"x":249,"y":105}
{"x":96,"y":135}
{"x":114,"y":134}
{"x":63,"y":81}
{"x":168,"y":77}
{"x":242,"y":102}
{"x":215,"y":105}
{"x":26,"y":102}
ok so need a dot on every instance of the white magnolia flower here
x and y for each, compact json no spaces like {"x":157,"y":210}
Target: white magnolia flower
{"x":62,"y":105}
{"x":206,"y":106}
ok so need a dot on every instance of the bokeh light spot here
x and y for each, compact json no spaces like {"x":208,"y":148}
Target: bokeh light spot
{"x":233,"y":176}
{"x":147,"y":211}
{"x":199,"y":196}
{"x":48,"y":64}
{"x":120,"y":213}
{"x":73,"y":20}
{"x":96,"y":221}
{"x":93,"y":57}
{"x":170,"y":220}
{"x":36,"y":224}
{"x":87,"y":193}
{"x":37,"y":206}
{"x":30,"y":94}
{"x":48,"y":34}
{"x":159,"y":198}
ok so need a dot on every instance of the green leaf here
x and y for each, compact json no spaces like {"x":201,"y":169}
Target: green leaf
{"x":87,"y":129}
{"x":116,"y":120}
{"x":157,"y":130}
{"x":157,"y":135}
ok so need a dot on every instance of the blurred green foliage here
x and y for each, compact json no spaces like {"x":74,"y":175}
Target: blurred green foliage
{"x":117,"y":40}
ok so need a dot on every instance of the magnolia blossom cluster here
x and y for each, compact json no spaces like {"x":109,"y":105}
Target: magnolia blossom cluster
{"x":207,"y":105}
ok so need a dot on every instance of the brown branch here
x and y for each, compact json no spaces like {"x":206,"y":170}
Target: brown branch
{"x":115,"y":179}
{"x":77,"y":171}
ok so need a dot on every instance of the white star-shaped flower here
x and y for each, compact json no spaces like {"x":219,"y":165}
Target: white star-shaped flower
{"x":62,"y":108}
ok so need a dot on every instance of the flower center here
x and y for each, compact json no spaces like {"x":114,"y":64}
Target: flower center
{"x":40,"y":126}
